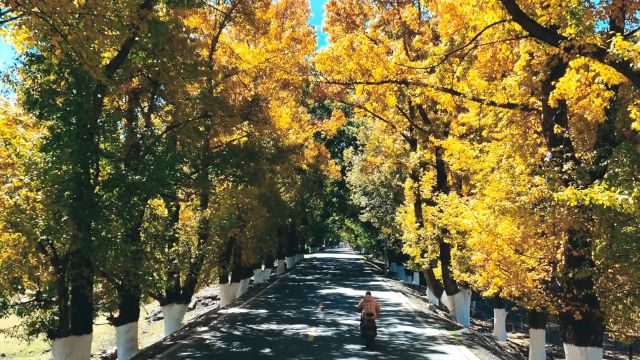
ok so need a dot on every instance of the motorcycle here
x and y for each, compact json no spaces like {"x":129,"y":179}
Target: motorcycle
{"x":368,"y":329}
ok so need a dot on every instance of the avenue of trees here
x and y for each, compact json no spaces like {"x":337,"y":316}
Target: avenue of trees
{"x":153,"y":147}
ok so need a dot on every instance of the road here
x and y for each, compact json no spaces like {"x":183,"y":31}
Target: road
{"x":310,"y":314}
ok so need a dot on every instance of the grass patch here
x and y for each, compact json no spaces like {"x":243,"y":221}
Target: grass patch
{"x":104,"y":336}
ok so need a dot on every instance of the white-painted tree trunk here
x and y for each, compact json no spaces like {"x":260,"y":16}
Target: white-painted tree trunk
{"x":228,"y":293}
{"x":500,"y":324}
{"x":72,"y":348}
{"x":258,"y":275}
{"x":173,"y":317}
{"x":127,"y":340}
{"x":432,"y":297}
{"x":445,"y":300}
{"x":537,"y":342}
{"x":461,"y":303}
{"x":266,"y":274}
{"x":573,"y":352}
{"x":243,"y":287}
{"x":290,"y":262}
{"x":400,"y":272}
{"x":280,"y":268}
{"x":416,"y":278}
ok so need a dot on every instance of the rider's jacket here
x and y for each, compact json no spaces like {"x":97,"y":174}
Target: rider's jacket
{"x":369,"y":305}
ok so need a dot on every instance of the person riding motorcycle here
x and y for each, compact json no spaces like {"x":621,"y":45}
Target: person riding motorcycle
{"x":370,"y":310}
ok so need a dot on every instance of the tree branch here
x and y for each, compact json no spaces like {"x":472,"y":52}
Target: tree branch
{"x":506,"y":105}
{"x":553,"y":38}
{"x":10,"y":19}
{"x":126,"y":46}
{"x":376,"y":116}
{"x":111,"y":279}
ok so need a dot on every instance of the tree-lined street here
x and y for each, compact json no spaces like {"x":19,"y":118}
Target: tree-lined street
{"x":150,"y":149}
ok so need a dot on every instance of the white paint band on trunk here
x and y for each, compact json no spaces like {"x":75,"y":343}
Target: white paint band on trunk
{"x":258,"y":276}
{"x":416,"y":278}
{"x":537,"y":343}
{"x":573,"y":352}
{"x":432,"y":297}
{"x":446,"y":301}
{"x":173,"y":317}
{"x":243,"y":287}
{"x":500,"y":324}
{"x":228,"y":293}
{"x":72,"y":347}
{"x":461,"y":303}
{"x":127,"y":340}
{"x":266,"y":274}
{"x":290,"y":262}
{"x":280,"y":269}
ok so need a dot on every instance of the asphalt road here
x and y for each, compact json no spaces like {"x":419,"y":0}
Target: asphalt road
{"x":310,"y":314}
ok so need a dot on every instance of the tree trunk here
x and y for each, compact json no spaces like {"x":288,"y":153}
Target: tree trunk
{"x":537,"y":335}
{"x":126,"y":323}
{"x":282,"y":251}
{"x":582,"y":326}
{"x":75,"y":347}
{"x":173,"y":287}
{"x":130,"y":293}
{"x":246,"y":273}
{"x":127,"y":340}
{"x":434,"y":287}
{"x":227,"y":291}
{"x":81,"y":300}
{"x":81,"y":214}
{"x":173,"y":307}
{"x":582,"y":323}
{"x":280,"y":269}
{"x":173,"y":317}
{"x":204,"y":225}
{"x":268,"y":268}
{"x":459,"y":298}
{"x":499,"y":319}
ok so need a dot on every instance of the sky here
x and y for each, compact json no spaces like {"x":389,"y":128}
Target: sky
{"x":7,"y":54}
{"x":317,"y":14}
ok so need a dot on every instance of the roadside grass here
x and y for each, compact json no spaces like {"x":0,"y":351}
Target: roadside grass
{"x":103,"y":337}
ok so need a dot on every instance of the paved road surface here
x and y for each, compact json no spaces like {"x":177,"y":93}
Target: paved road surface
{"x":311,"y":314}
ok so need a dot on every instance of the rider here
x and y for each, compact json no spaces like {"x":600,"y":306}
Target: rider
{"x":369,"y":307}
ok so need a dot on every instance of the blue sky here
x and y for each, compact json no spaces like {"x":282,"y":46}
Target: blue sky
{"x":317,"y":14}
{"x":7,"y":55}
